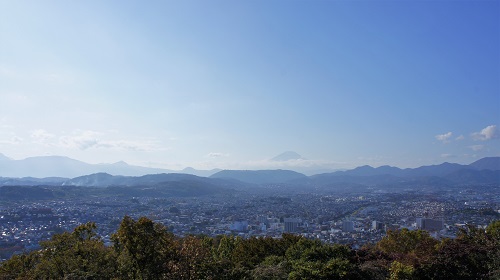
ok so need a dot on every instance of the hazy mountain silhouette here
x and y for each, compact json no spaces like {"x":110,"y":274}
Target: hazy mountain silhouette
{"x":490,"y":163}
{"x":106,"y":180}
{"x":4,"y":157}
{"x":260,"y":176}
{"x":31,"y":181}
{"x":483,"y":171}
{"x":286,"y":156}
{"x":201,"y":173}
{"x":471,"y":176}
{"x":59,"y":166}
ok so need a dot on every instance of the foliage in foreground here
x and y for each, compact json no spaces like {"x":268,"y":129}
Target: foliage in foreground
{"x":146,"y":250}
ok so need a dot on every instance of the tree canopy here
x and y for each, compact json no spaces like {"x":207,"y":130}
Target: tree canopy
{"x":144,"y":249}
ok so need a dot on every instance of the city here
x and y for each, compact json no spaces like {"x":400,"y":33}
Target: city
{"x":354,"y":219}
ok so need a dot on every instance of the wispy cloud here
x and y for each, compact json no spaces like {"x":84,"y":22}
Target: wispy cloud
{"x":147,"y":145}
{"x":216,"y":155}
{"x":476,"y":147}
{"x":41,"y":136}
{"x":461,"y":137}
{"x":80,"y":140}
{"x":487,"y":133}
{"x":13,"y":140}
{"x":447,"y":156}
{"x":84,"y":140}
{"x":445,"y":138}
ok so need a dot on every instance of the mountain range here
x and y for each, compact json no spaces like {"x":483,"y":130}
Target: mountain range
{"x":59,"y":166}
{"x":484,"y":171}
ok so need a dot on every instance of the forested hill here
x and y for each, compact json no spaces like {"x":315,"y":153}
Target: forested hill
{"x":143,"y":249}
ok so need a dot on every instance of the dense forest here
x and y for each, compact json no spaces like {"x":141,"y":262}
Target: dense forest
{"x":143,"y":249}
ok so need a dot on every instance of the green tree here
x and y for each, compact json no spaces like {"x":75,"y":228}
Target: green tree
{"x":144,"y":249}
{"x":493,"y":230}
{"x":272,"y":267}
{"x":19,"y":266}
{"x":250,"y":252}
{"x":80,"y":254}
{"x":474,"y":254}
{"x":408,"y":247}
{"x":399,"y":271}
{"x":195,"y":260}
{"x":311,"y":259}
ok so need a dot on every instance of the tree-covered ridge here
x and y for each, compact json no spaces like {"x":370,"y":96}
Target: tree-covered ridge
{"x":143,"y":249}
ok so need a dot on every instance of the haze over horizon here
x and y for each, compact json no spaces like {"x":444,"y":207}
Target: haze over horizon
{"x":231,"y":85}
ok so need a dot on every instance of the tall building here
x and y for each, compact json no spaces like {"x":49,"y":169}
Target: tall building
{"x":291,"y":224}
{"x":348,"y":226}
{"x":263,"y":220}
{"x":429,"y":224}
{"x":378,"y":225}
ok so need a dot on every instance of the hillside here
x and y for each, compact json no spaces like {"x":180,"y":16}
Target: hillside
{"x":260,"y":176}
{"x":433,"y":176}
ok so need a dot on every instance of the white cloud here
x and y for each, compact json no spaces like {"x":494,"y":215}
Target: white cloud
{"x":447,"y":156}
{"x":41,"y":136}
{"x":487,"y":133}
{"x":84,"y":140}
{"x":16,"y":139}
{"x":476,"y":147}
{"x":461,"y":137}
{"x":13,"y":140}
{"x":216,"y":155}
{"x":147,"y":145}
{"x":80,"y":140}
{"x":444,"y":137}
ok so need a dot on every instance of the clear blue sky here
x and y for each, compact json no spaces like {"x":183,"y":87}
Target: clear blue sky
{"x":231,"y":84}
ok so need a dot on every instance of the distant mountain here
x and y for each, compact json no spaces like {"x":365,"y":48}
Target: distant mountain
{"x":446,"y":174}
{"x":103,"y":184}
{"x":435,"y":170}
{"x":439,"y":170}
{"x":30,"y":181}
{"x":59,"y":166}
{"x":490,"y":163}
{"x":97,"y":180}
{"x":368,"y":180}
{"x":45,"y":166}
{"x":3,"y":157}
{"x":367,"y":170}
{"x":286,"y":156}
{"x":471,"y":176}
{"x":260,"y":176}
{"x":201,"y":173}
{"x":54,"y":171}
{"x":156,"y":185}
{"x":106,"y":180}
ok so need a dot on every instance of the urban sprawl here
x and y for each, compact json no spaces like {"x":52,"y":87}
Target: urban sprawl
{"x":354,"y":219}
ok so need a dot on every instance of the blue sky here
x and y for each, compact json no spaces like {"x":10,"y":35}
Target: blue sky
{"x":231,"y":84}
